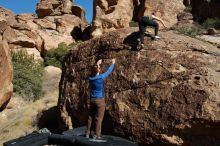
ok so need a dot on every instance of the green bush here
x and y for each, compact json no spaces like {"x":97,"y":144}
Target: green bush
{"x":211,"y":22}
{"x":27,"y":75}
{"x":190,"y":31}
{"x":54,"y":57}
{"x":133,"y":24}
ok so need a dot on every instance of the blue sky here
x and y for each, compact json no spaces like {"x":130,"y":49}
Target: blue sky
{"x":29,"y":6}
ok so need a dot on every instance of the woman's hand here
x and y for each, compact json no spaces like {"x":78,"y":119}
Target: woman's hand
{"x":113,"y":61}
{"x":165,"y":26}
{"x":99,"y":62}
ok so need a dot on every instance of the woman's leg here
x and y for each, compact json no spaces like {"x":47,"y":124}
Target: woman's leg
{"x":142,"y":27}
{"x":142,"y":34}
{"x":99,"y":115}
{"x":154,"y":24}
{"x":89,"y":124}
{"x":92,"y":111}
{"x":156,"y":28}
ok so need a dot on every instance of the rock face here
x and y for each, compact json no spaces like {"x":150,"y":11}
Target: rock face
{"x":53,"y":7}
{"x":6,"y":87}
{"x":115,"y":14}
{"x":110,"y":15}
{"x":206,"y":8}
{"x":167,"y":11}
{"x":167,"y":93}
{"x":6,"y":17}
{"x":51,"y":79}
{"x":80,"y":12}
{"x":185,"y":18}
{"x":36,"y":34}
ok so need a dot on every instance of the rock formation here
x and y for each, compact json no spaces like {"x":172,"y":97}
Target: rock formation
{"x":36,"y":34}
{"x":80,"y":12}
{"x":111,"y":14}
{"x":167,"y":11}
{"x":167,"y":93}
{"x":206,"y":8}
{"x":6,"y":87}
{"x":6,"y":18}
{"x":51,"y":79}
{"x":185,"y":18}
{"x":53,"y":7}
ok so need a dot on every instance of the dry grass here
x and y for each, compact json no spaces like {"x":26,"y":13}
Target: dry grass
{"x":20,"y":116}
{"x":19,"y":121}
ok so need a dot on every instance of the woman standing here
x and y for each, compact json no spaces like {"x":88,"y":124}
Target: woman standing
{"x":97,"y":101}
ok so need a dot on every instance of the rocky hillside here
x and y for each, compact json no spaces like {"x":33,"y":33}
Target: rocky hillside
{"x":110,"y":15}
{"x":22,"y":117}
{"x":167,"y":93}
{"x":55,"y":22}
{"x":114,"y":14}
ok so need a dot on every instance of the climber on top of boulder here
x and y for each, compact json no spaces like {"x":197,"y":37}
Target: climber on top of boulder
{"x":149,"y":21}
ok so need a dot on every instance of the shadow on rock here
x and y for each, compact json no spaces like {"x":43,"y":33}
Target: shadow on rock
{"x":49,"y":119}
{"x":133,"y":40}
{"x":78,"y":34}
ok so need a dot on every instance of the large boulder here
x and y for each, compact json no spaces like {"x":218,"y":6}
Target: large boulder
{"x":6,"y":87}
{"x":110,"y":15}
{"x":206,"y":8}
{"x":28,"y":40}
{"x":17,"y":37}
{"x":53,"y":7}
{"x":7,"y":15}
{"x":66,"y":23}
{"x":27,"y":19}
{"x":6,"y":19}
{"x":24,"y":38}
{"x":52,"y":38}
{"x":166,"y":10}
{"x":51,"y":79}
{"x":80,"y":12}
{"x":45,"y":24}
{"x":166,"y":93}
